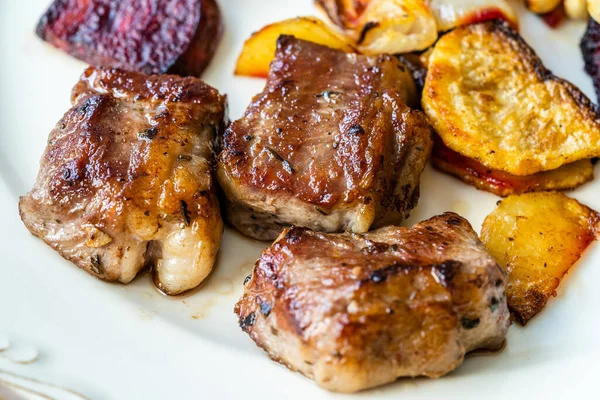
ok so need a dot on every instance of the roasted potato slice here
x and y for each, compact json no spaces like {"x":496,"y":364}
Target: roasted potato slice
{"x":259,"y":50}
{"x":537,"y":237}
{"x":504,"y":184}
{"x":154,"y":37}
{"x":489,"y":98}
{"x":383,"y":26}
{"x":593,"y":7}
{"x":576,"y":9}
{"x":542,"y":6}
{"x":452,"y":13}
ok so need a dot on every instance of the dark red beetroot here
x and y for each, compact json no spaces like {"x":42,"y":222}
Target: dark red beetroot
{"x":150,"y":36}
{"x":555,"y":17}
{"x":590,"y":47}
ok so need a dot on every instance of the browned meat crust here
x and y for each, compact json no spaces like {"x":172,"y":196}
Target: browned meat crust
{"x":126,"y":178}
{"x":329,"y":144}
{"x":355,"y":311}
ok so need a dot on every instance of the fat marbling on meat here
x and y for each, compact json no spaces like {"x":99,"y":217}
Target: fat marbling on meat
{"x":127,"y":181}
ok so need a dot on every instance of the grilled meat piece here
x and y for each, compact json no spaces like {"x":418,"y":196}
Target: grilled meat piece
{"x":126,"y":179}
{"x":590,"y":48}
{"x":354,"y":311}
{"x":154,"y":37}
{"x":329,"y":144}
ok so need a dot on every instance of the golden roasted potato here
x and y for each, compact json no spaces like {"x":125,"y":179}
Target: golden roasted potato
{"x":489,"y":98}
{"x":542,"y":6}
{"x":504,"y":184}
{"x":452,"y":13}
{"x":383,"y":26}
{"x":537,"y":237}
{"x":576,"y":9}
{"x":259,"y":50}
{"x":593,"y":7}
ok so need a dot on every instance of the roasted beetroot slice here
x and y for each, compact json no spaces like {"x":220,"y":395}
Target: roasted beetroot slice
{"x":590,"y":47}
{"x":149,"y":36}
{"x":204,"y":44}
{"x":555,"y":17}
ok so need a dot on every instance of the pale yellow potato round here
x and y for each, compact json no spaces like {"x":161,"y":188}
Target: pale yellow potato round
{"x":576,"y":9}
{"x":536,"y":238}
{"x":593,"y":7}
{"x":489,"y":98}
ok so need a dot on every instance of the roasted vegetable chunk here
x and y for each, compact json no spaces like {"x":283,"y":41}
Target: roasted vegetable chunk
{"x":417,"y":67}
{"x":383,"y":26}
{"x":555,"y":17}
{"x":489,"y":98}
{"x":542,"y":6}
{"x":259,"y":49}
{"x":537,"y":237}
{"x":154,"y":37}
{"x":451,"y":13}
{"x":503,"y":184}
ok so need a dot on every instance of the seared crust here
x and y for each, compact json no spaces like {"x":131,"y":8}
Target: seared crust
{"x":167,"y":89}
{"x":355,"y":311}
{"x":334,"y":148}
{"x":126,"y":179}
{"x":489,"y":97}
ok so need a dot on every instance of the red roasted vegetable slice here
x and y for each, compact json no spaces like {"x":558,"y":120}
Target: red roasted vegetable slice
{"x":504,"y":184}
{"x":555,"y":17}
{"x":150,"y":36}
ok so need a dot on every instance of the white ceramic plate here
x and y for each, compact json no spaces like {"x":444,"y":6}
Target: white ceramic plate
{"x":109,"y":341}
